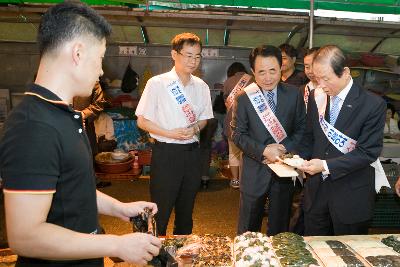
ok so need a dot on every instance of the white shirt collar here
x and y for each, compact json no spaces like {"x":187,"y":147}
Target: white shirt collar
{"x":175,"y":76}
{"x":342,"y":95}
{"x":311,"y":86}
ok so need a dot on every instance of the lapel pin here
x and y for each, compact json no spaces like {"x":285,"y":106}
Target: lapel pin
{"x":349,"y":106}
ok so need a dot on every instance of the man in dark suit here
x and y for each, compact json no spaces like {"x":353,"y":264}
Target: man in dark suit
{"x":340,"y":192}
{"x":261,"y":145}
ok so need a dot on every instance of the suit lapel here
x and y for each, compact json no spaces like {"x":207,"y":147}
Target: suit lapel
{"x":347,"y":111}
{"x":326,"y":142}
{"x":280,"y":102}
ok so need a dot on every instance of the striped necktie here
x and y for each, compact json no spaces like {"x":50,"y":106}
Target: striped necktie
{"x":271,"y":102}
{"x":334,"y":112}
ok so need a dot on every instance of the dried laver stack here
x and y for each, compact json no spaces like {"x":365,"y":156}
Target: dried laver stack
{"x":393,"y":242}
{"x":291,"y":250}
{"x":376,"y":253}
{"x":334,"y":253}
{"x":253,"y":249}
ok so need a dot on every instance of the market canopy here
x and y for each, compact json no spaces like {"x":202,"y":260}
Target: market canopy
{"x":252,"y":24}
{"x":369,"y":6}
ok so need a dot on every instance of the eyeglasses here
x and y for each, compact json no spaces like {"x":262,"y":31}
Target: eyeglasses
{"x":191,"y":57}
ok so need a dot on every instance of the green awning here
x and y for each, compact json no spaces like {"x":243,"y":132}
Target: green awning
{"x":368,"y":6}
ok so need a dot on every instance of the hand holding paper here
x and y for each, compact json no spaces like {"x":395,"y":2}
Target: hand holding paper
{"x":312,"y":166}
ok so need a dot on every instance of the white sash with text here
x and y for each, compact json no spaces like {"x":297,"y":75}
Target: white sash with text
{"x":265,"y":113}
{"x":238,"y":87}
{"x":182,"y":101}
{"x":342,"y":142}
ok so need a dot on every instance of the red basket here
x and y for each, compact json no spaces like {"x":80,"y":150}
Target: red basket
{"x":114,"y":167}
{"x":144,"y":157}
{"x":372,"y":60}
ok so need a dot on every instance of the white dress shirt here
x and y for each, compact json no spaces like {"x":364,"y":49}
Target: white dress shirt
{"x":157,"y":105}
{"x":342,"y":96}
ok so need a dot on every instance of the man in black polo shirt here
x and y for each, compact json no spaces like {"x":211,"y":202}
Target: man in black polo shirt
{"x":50,"y":193}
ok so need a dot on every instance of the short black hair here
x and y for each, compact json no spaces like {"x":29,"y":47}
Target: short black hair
{"x":185,"y":38}
{"x":234,"y":68}
{"x":336,"y":57}
{"x":311,"y":51}
{"x":265,"y":51}
{"x":288,"y":49}
{"x":65,"y":21}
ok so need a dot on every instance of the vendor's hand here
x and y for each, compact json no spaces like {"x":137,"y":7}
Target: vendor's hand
{"x":397,"y":186}
{"x":181,"y":133}
{"x":272,"y":151}
{"x":137,"y":248}
{"x":132,"y":209}
{"x":312,"y":167}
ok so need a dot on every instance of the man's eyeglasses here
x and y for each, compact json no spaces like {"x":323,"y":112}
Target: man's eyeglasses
{"x":191,"y":57}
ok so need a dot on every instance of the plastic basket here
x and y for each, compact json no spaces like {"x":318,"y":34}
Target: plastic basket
{"x":386,"y":212}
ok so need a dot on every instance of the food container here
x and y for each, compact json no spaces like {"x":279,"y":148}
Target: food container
{"x":119,"y":155}
{"x":106,"y":163}
{"x":144,"y":157}
{"x":114,"y":167}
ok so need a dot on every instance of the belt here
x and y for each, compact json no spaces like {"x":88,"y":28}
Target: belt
{"x":188,"y":146}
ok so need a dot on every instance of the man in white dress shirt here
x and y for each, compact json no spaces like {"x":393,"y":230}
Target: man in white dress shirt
{"x":174,"y":108}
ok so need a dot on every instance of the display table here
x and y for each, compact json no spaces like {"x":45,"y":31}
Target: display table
{"x":327,"y":251}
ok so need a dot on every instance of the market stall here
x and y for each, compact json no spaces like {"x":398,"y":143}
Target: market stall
{"x":285,"y":249}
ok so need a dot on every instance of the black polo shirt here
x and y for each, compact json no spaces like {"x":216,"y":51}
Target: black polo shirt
{"x":44,"y":149}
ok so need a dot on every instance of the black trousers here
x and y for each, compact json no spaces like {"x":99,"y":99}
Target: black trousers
{"x":251,"y":208}
{"x":174,"y":182}
{"x":297,"y":220}
{"x":321,"y":219}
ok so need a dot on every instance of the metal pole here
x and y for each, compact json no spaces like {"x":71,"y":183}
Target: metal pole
{"x":311,"y":35}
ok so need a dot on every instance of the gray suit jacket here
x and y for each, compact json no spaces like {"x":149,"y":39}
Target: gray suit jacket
{"x":251,"y":136}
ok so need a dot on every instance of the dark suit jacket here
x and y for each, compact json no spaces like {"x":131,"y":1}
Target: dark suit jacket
{"x":362,"y":117}
{"x":251,"y":136}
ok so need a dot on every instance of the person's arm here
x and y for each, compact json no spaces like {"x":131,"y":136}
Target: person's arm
{"x":30,"y":235}
{"x":177,"y":133}
{"x":201,"y":124}
{"x":397,"y":186}
{"x":97,"y":104}
{"x":110,"y":206}
{"x":240,"y":130}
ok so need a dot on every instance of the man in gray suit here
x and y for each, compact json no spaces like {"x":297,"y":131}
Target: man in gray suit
{"x":268,"y":121}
